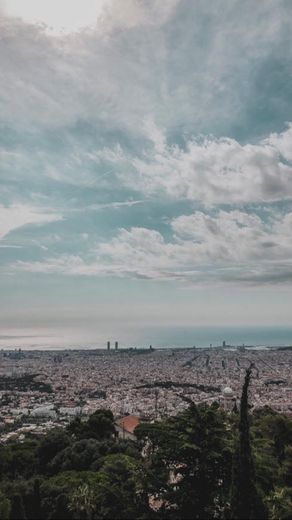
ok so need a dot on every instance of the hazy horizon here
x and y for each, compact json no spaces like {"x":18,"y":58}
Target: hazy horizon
{"x":156,"y":336}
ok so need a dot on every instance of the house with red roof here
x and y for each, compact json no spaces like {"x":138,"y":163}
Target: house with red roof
{"x":125,"y":427}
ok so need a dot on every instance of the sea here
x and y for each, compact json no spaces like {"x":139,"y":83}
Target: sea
{"x":157,"y":336}
{"x":215,"y":336}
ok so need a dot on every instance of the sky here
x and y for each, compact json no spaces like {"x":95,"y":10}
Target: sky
{"x":145,"y":166}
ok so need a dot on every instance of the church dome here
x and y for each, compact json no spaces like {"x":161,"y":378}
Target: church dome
{"x":228,"y":392}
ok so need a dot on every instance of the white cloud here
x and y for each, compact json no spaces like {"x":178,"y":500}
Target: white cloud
{"x":132,"y":13}
{"x":212,"y":171}
{"x":91,"y":75}
{"x":114,"y":205}
{"x":61,"y":17}
{"x":229,"y":246}
{"x":58,"y":15}
{"x":14,"y":217}
{"x":282,"y":142}
{"x":188,"y":75}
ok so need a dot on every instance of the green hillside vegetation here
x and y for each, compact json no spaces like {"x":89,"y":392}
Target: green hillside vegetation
{"x":24,"y":383}
{"x":200,"y":464}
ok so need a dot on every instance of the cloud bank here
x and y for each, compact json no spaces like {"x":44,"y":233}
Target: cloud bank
{"x":228,"y":247}
{"x":159,"y":139}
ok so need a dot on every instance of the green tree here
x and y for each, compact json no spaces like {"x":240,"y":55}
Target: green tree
{"x":17,"y":508}
{"x":272,"y":449}
{"x":246,"y":502}
{"x":36,"y":500}
{"x":280,"y":504}
{"x":56,"y":492}
{"x":120,"y":491}
{"x":190,"y":461}
{"x":50,"y":445}
{"x":5,"y":507}
{"x":100,"y":425}
{"x":82,"y":503}
{"x":18,"y":459}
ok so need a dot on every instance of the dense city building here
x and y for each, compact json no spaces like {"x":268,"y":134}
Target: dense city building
{"x":42,"y":389}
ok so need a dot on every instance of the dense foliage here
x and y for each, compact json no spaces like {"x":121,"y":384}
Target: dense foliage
{"x":24,"y":383}
{"x":203,"y":463}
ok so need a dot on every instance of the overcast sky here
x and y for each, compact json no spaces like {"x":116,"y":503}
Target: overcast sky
{"x":146,"y":164}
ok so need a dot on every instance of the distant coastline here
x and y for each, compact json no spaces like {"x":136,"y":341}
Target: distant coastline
{"x":138,"y":349}
{"x":255,"y":337}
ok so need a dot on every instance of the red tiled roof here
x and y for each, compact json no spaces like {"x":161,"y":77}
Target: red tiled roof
{"x":129,"y":423}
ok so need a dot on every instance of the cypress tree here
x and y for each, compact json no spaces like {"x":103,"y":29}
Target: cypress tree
{"x":246,"y":503}
{"x":36,"y":501}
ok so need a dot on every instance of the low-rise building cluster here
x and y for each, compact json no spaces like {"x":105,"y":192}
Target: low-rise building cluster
{"x":149,"y":384}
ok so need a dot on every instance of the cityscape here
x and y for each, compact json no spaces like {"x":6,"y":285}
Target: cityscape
{"x":40,"y":390}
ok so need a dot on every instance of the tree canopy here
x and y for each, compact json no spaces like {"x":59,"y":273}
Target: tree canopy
{"x":202,"y":463}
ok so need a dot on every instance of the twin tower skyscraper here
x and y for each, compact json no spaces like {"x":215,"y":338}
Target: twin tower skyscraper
{"x":109,"y":345}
